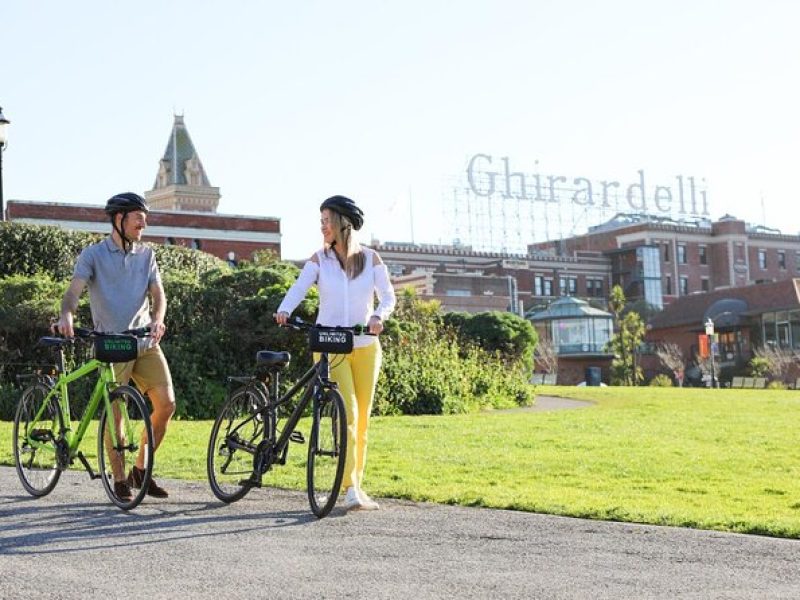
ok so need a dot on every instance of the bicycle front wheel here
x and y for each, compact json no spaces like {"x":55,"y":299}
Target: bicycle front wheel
{"x":37,"y":441}
{"x":125,"y":436}
{"x":237,"y":431}
{"x":327,"y":451}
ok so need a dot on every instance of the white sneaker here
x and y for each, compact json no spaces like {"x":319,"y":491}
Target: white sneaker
{"x":367,"y":503}
{"x":352,"y":501}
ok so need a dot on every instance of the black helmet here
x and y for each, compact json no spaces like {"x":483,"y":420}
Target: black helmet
{"x":345,"y":207}
{"x":125,"y":203}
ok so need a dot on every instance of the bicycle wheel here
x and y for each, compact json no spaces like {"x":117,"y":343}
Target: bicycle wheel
{"x":123,"y":436}
{"x":327,"y":451}
{"x":235,"y":436}
{"x":37,"y":442}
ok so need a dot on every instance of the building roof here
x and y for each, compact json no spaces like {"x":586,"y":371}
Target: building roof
{"x":569,"y":307}
{"x":758,"y":298}
{"x":180,"y":149}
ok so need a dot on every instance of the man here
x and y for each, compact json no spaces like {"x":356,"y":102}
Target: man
{"x":120,"y":272}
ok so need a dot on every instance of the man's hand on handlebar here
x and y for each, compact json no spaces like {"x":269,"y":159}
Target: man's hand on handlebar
{"x":64,"y":326}
{"x":281,"y":318}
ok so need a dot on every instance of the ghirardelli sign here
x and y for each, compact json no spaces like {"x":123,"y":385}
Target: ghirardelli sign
{"x":488,"y":177}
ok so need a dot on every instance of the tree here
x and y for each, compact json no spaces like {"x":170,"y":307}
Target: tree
{"x":629,"y":334}
{"x":775,"y":360}
{"x":671,"y":356}
{"x":546,"y":356}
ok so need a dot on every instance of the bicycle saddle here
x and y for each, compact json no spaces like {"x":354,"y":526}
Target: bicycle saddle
{"x":267,"y":358}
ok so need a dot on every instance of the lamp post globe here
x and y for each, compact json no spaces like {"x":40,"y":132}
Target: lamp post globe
{"x":3,"y":143}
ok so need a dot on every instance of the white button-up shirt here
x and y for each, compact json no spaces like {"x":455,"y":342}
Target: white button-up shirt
{"x":342,"y":301}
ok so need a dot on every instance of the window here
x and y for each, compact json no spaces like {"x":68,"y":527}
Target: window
{"x":666,"y":252}
{"x":681,"y":254}
{"x":739,"y":252}
{"x":705,"y":284}
{"x":668,"y":286}
{"x":782,"y":260}
{"x":170,"y":241}
{"x":568,"y":286}
{"x":684,"y":283}
{"x":703,"y":254}
{"x":537,"y":285}
{"x":548,"y":287}
{"x":196,"y":245}
{"x":594,"y":288}
{"x":762,"y":259}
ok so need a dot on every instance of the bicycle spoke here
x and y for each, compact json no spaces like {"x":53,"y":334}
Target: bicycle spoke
{"x":234,"y":438}
{"x":125,"y":440}
{"x":326,"y":453}
{"x":37,"y":429}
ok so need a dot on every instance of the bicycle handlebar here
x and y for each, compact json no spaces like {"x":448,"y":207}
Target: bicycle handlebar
{"x":299,"y":324}
{"x":82,"y":332}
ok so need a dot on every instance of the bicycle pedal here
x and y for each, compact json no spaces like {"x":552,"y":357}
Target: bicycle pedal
{"x":42,"y":435}
{"x":297,"y":437}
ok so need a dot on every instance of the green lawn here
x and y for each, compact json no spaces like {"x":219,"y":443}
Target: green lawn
{"x":711,"y":459}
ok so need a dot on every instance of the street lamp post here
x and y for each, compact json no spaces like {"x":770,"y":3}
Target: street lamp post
{"x":3,"y":143}
{"x":710,"y":334}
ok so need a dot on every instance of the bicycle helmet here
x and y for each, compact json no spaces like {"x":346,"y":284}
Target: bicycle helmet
{"x":125,"y":203}
{"x":345,"y":207}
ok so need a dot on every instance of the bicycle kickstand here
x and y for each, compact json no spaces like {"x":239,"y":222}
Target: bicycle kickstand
{"x":87,"y":466}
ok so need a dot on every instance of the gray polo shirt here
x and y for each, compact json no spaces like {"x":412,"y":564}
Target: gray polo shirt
{"x":118,"y":284}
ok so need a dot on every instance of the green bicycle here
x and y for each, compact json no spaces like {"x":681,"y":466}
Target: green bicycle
{"x":45,"y":443}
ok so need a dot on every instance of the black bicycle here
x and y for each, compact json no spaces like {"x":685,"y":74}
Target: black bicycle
{"x":246,"y":442}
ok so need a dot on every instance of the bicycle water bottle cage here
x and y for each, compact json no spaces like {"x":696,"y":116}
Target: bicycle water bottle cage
{"x":116,"y":348}
{"x":335,"y":341}
{"x":272,"y":360}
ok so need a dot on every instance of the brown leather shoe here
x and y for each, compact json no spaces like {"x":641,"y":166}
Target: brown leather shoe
{"x":154,"y":490}
{"x":122,"y":490}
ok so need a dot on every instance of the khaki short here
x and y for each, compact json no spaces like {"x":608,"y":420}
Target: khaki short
{"x":148,"y":371}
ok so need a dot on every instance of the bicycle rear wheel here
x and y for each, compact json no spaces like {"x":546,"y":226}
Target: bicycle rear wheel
{"x":37,"y":442}
{"x":232,"y":445}
{"x":327,"y":451}
{"x":123,"y":436}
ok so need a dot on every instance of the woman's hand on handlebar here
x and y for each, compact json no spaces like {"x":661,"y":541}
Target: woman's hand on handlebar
{"x":375,"y":325}
{"x":281,"y":318}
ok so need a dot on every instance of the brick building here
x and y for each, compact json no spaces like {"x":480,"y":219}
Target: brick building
{"x":184,"y":209}
{"x":744,"y":318}
{"x":660,"y":260}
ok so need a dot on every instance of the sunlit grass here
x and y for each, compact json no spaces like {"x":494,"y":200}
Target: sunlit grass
{"x":714,"y":459}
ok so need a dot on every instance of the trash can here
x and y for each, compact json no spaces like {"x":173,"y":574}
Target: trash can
{"x":593,"y":376}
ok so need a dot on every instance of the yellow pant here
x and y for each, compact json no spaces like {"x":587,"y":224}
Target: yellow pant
{"x":356,"y":373}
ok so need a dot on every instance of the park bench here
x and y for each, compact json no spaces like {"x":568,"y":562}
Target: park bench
{"x":759,"y":383}
{"x":537,"y":378}
{"x":737,"y":382}
{"x":550,"y":378}
{"x":747,"y":382}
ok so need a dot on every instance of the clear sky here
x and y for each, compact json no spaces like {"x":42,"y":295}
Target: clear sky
{"x":290,"y":102}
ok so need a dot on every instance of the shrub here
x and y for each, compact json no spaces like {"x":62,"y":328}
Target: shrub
{"x":661,"y":380}
{"x":777,"y":385}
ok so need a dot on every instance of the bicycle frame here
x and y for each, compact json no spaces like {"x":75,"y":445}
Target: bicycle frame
{"x":316,"y":379}
{"x":105,"y":383}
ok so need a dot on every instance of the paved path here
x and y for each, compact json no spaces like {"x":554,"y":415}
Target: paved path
{"x":73,"y":544}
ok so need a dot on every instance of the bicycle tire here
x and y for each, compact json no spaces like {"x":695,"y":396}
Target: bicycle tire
{"x":134,"y":433}
{"x":327,"y":452}
{"x":44,"y":459}
{"x":232,"y":444}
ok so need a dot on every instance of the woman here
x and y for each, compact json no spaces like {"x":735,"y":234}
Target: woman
{"x":348,"y":276}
